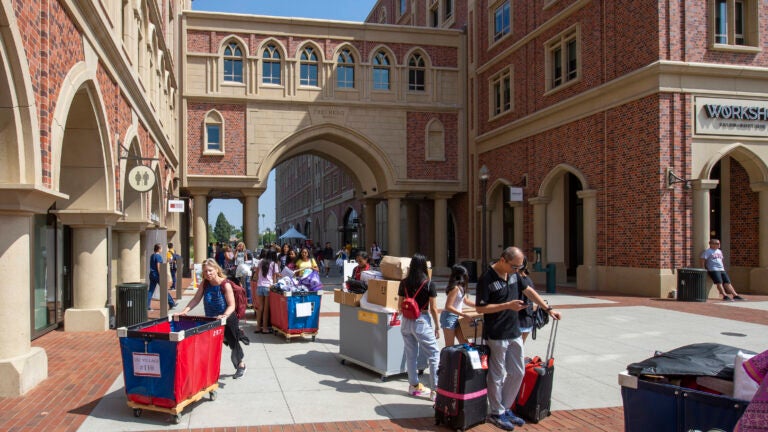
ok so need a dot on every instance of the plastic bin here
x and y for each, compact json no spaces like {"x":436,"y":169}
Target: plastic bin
{"x":170,"y":362}
{"x":131,"y":303}
{"x":471,"y":267}
{"x":658,"y":407}
{"x":295,"y":314}
{"x":692,"y":284}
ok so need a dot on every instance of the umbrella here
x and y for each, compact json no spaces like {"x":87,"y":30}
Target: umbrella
{"x":293,"y":234}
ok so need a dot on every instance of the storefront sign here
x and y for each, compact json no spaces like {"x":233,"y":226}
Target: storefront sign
{"x":733,"y":117}
{"x":176,"y":206}
{"x":141,"y":178}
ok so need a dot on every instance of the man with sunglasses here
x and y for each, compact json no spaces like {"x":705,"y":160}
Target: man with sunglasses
{"x":712,"y":260}
{"x":497,"y":298}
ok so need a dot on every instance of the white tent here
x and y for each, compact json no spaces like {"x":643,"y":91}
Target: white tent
{"x":293,"y":234}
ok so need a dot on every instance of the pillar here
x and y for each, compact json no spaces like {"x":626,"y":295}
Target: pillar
{"x":251,"y":219}
{"x":540,"y":224}
{"x":700,"y":233}
{"x":586,"y":274}
{"x":758,"y":277}
{"x":200,"y":224}
{"x":440,"y":263}
{"x":128,"y":251}
{"x":370,"y":223}
{"x":393,"y":226}
{"x":518,"y":215}
{"x":412,"y":228}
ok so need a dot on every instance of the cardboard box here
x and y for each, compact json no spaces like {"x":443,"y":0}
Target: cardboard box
{"x":468,"y":324}
{"x":370,"y":274}
{"x":396,"y":268}
{"x":346,"y":298}
{"x":383,"y":292}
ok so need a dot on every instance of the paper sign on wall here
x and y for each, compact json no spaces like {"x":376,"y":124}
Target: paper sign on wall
{"x":175,"y":206}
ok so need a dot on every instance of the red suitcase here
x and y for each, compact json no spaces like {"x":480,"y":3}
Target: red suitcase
{"x":534,"y":399}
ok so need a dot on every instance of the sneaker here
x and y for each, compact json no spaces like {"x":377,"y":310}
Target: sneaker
{"x":514,"y":419}
{"x":726,"y":298}
{"x":738,"y":297}
{"x":240,"y":372}
{"x":416,"y":390}
{"x":501,"y":422}
{"x":433,"y":395}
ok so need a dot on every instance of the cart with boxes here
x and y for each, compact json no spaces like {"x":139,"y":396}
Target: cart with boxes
{"x":171,"y":362}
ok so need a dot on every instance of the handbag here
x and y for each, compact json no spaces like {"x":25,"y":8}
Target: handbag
{"x":540,"y":319}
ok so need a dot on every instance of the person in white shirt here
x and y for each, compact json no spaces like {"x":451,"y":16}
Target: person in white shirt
{"x":375,"y":254}
{"x":712,"y":260}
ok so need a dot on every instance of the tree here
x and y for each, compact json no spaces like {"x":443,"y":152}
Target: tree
{"x":223,"y":229}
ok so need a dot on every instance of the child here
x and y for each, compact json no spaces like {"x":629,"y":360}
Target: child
{"x":456,"y":290}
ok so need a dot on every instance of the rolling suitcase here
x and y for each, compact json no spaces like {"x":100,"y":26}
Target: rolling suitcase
{"x":534,"y":399}
{"x":461,"y":387}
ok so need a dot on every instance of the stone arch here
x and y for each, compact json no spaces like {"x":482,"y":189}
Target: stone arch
{"x":756,"y":168}
{"x":418,"y":50}
{"x":545,"y":189}
{"x":20,"y":159}
{"x":331,"y":233}
{"x":272,"y":41}
{"x":373,"y":172}
{"x":352,"y":49}
{"x":434,"y":140}
{"x":390,"y":54}
{"x":314,"y":46}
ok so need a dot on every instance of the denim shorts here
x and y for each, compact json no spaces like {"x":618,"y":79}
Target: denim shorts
{"x":526,"y":329}
{"x":262,"y":291}
{"x":449,"y":320}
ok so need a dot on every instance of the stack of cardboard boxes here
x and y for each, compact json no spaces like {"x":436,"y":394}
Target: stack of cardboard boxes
{"x":382,"y":285}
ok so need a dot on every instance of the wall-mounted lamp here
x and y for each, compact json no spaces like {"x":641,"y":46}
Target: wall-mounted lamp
{"x":673,"y":179}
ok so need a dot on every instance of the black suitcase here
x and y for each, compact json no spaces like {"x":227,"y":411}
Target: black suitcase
{"x":534,"y":400}
{"x":461,"y":389}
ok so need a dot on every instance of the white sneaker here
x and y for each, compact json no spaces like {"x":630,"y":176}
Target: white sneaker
{"x":416,"y":390}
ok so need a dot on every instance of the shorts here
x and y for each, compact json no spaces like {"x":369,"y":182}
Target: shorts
{"x":719,"y":277}
{"x":526,"y":329}
{"x":449,"y":320}
{"x":328,"y":263}
{"x":262,"y":291}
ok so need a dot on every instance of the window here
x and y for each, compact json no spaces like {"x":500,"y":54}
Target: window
{"x":563,"y":59}
{"x":501,"y":88}
{"x":381,"y":71}
{"x":735,"y":22}
{"x":403,"y":6}
{"x":447,"y":9}
{"x":233,"y":63}
{"x":345,"y":70}
{"x":214,"y":133}
{"x":416,"y":73}
{"x":308,"y":67}
{"x":501,"y":21}
{"x":271,"y":65}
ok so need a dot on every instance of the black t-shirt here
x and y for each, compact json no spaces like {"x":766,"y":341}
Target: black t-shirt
{"x":422,"y":298}
{"x":328,"y":253}
{"x":492,"y":289}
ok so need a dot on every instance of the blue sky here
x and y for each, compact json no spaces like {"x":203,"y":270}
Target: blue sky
{"x":341,"y":10}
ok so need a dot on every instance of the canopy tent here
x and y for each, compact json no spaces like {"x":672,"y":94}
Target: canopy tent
{"x":293,"y":234}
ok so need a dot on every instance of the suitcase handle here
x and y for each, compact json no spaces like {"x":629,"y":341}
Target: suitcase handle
{"x":551,"y":343}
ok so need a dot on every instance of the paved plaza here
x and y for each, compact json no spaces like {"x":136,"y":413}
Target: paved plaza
{"x":302,"y":385}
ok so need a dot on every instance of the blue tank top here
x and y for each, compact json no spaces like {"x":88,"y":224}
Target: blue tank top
{"x":213,"y":300}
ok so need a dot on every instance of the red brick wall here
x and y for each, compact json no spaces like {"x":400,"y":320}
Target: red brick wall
{"x":418,"y":166}
{"x":745,"y":219}
{"x":233,"y":160}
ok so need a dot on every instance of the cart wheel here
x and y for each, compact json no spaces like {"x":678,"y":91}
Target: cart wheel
{"x":287,"y":339}
{"x":137,"y":412}
{"x":212,"y":395}
{"x":383,"y":378}
{"x":343,"y":361}
{"x":177,"y":419}
{"x":313,"y":338}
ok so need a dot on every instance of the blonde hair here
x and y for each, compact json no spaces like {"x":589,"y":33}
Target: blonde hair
{"x":210,"y":262}
{"x":241,"y":244}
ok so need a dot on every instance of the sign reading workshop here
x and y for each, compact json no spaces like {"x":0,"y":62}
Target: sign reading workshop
{"x":733,"y":117}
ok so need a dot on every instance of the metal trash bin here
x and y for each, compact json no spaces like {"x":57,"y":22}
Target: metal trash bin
{"x":692,"y":284}
{"x":471,"y":267}
{"x":131,"y":303}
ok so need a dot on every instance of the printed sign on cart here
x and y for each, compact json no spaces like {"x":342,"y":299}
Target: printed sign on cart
{"x":146,"y":364}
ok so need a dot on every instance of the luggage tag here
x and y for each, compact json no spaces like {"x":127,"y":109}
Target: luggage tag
{"x":474,"y":358}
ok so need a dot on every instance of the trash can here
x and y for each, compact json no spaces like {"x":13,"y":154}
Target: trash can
{"x":692,"y":284}
{"x":131,"y":303}
{"x":471,"y":267}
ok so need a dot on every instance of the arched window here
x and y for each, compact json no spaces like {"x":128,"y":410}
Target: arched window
{"x":233,"y":63}
{"x":435,"y":150}
{"x":308,"y":67}
{"x":416,"y":73}
{"x":271,"y":66}
{"x":381,"y":71}
{"x":345,"y":70}
{"x":214,"y":133}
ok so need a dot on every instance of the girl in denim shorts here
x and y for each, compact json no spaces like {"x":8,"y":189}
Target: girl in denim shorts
{"x":456,"y":290}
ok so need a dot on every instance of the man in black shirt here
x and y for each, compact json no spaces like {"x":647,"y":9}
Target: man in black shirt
{"x":328,"y":255}
{"x":497,"y":298}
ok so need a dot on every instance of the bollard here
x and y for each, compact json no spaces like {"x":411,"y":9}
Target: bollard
{"x":551,"y":278}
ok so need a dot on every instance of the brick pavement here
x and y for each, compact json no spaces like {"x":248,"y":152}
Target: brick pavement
{"x":82,"y":367}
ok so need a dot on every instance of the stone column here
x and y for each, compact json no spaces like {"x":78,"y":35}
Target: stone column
{"x":518,"y":214}
{"x":129,"y":251}
{"x":89,"y":269}
{"x":251,"y":219}
{"x":586,"y":274}
{"x":440,"y":263}
{"x":758,"y":277}
{"x":370,"y":223}
{"x":393,"y":225}
{"x":700,"y":233}
{"x":540,"y":225}
{"x":412,"y":228}
{"x":200,"y":224}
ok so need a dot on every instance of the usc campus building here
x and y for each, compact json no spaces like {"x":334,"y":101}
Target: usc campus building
{"x":618,"y":137}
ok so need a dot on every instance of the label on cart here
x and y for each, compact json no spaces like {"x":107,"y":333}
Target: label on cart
{"x":304,"y":309}
{"x":146,"y":364}
{"x":368,"y":317}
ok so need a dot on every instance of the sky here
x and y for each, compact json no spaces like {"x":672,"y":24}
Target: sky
{"x":340,"y":10}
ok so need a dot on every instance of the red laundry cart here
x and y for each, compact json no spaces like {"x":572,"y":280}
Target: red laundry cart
{"x":169,"y":363}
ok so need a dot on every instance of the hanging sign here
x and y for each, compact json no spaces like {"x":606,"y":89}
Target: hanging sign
{"x":175,"y":206}
{"x":141,"y":178}
{"x":515,"y":194}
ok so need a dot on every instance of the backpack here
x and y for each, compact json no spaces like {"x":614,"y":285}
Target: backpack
{"x":241,"y":299}
{"x":410,"y":307}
